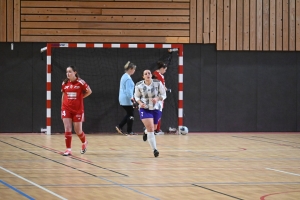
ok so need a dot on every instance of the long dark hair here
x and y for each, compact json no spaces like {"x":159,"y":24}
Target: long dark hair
{"x":159,"y":65}
{"x":74,"y":70}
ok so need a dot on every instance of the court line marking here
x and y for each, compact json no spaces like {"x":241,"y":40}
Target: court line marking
{"x":246,"y":138}
{"x":276,"y":139}
{"x":217,"y":191}
{"x":15,"y":189}
{"x":72,"y":157}
{"x":283,"y":171}
{"x":115,"y":183}
{"x":24,"y":179}
{"x":195,"y":151}
{"x":175,"y":184}
{"x":264,"y":197}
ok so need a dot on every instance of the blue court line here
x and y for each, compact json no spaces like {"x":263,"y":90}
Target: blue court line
{"x":15,"y":189}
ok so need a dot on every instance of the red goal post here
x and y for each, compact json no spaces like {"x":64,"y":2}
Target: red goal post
{"x":170,"y":47}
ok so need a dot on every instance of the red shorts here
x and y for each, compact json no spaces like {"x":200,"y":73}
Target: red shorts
{"x":76,"y":117}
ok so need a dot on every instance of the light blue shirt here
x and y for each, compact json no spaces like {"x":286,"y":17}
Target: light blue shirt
{"x":126,"y":90}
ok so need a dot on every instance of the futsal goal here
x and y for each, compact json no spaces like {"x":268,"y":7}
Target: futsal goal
{"x":101,"y":65}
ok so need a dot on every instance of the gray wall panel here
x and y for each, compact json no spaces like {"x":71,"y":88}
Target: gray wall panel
{"x":298,"y":91}
{"x":16,"y":83}
{"x":277,"y":91}
{"x":208,"y":88}
{"x":236,"y":91}
{"x":191,"y":86}
{"x":39,"y":87}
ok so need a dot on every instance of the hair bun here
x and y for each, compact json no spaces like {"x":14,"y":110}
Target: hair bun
{"x":126,"y":65}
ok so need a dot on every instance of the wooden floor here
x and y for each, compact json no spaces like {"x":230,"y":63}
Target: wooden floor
{"x":205,"y":166}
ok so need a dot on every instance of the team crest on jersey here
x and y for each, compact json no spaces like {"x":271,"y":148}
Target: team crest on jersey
{"x":71,"y":86}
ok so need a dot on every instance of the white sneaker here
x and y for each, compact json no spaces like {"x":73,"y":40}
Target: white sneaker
{"x":67,"y":153}
{"x":83,"y":147}
{"x":172,"y":129}
{"x":160,"y":133}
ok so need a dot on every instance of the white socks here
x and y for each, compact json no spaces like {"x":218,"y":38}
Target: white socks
{"x":151,"y":139}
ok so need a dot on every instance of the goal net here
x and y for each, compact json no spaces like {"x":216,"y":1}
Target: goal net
{"x":102,"y":69}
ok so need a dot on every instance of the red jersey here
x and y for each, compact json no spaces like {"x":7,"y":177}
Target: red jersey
{"x":159,"y":77}
{"x":73,"y":95}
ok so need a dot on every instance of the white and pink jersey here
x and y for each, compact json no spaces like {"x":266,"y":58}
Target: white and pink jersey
{"x":73,"y":95}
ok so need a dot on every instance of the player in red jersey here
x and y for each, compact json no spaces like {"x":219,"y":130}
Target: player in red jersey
{"x":74,"y":90}
{"x":158,"y":74}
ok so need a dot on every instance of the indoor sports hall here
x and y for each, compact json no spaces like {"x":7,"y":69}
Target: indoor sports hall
{"x":229,"y":126}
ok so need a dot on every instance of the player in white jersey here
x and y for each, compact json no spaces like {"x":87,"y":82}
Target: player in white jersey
{"x":149,"y":94}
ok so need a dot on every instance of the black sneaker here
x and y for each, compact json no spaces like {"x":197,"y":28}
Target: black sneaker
{"x":144,"y":135}
{"x":156,"y":153}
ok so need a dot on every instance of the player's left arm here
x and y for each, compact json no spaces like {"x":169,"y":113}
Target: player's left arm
{"x":87,"y":92}
{"x":162,"y":92}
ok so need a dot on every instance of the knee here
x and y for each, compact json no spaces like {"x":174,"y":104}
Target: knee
{"x":131,"y":118}
{"x":150,"y":129}
{"x":68,"y":128}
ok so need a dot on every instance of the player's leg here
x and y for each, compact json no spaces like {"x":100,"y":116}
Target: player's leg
{"x":119,"y":127}
{"x":77,"y":122}
{"x":130,"y":119}
{"x":149,"y":124}
{"x":157,"y":129}
{"x":144,"y":113}
{"x":156,"y":118}
{"x":68,"y":135}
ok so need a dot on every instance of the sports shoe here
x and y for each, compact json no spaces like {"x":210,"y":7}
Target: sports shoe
{"x":145,"y":135}
{"x":67,"y":153}
{"x":172,"y":129}
{"x":156,"y":153}
{"x":83,"y":147}
{"x":119,"y":130}
{"x":132,"y":133}
{"x":160,"y":132}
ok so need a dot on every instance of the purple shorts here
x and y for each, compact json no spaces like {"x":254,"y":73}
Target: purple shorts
{"x":155,"y":114}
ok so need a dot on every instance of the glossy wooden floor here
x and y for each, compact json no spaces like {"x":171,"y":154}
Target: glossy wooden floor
{"x":196,"y":166}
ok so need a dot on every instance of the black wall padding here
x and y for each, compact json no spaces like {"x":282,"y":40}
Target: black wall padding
{"x":277,"y":91}
{"x":16,"y":88}
{"x":236,"y":91}
{"x":224,"y":91}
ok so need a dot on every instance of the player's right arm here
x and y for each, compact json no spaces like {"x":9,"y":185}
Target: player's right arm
{"x":138,"y":94}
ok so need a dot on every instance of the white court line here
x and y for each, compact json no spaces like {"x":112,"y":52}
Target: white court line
{"x":33,"y":183}
{"x":283,"y":172}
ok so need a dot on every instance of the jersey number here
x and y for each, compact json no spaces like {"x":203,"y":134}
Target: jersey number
{"x":63,"y":113}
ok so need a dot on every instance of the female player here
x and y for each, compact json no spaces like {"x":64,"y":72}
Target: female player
{"x":158,"y":74}
{"x":149,"y":94}
{"x":125,"y":98}
{"x":74,"y":90}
